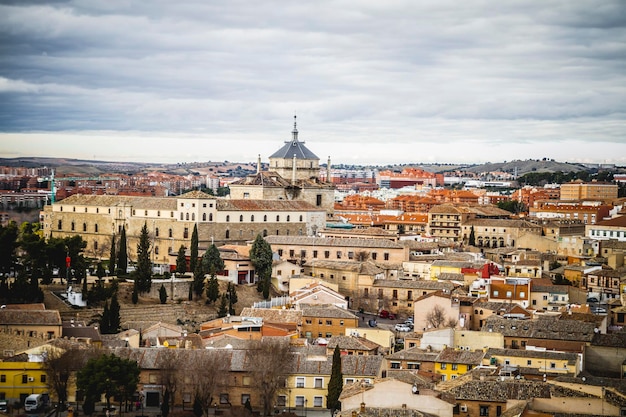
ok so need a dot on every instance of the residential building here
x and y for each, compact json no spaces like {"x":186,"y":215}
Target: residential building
{"x":589,"y":212}
{"x":579,"y":190}
{"x":325,"y":321}
{"x":45,"y":324}
{"x":452,"y":363}
{"x":610,"y":229}
{"x":400,"y":296}
{"x":497,"y":232}
{"x":534,"y":363}
{"x":20,"y":378}
{"x":603,"y":283}
{"x":415,"y":359}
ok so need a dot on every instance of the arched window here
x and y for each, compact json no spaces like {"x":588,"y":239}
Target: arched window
{"x":277,"y":218}
{"x":241,"y":217}
{"x":265,"y":218}
{"x":84,"y":227}
{"x":227,"y":218}
{"x":95,"y":245}
{"x":288,"y":217}
{"x":264,"y":232}
{"x":72,"y":226}
{"x":193,"y":217}
{"x":301,"y":217}
{"x":95,"y":228}
{"x":170,"y":233}
{"x":181,"y":216}
{"x":156,"y":232}
{"x":211,"y":217}
{"x":203,"y":217}
{"x":227,"y":234}
{"x":252,"y":218}
{"x":187,"y":216}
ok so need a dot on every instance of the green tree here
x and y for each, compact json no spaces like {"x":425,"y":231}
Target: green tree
{"x":8,"y":243}
{"x":472,"y":237}
{"x":163,"y":294}
{"x":165,"y":405}
{"x":212,"y":289}
{"x":109,"y":375}
{"x":193,"y":255}
{"x":231,"y":291}
{"x":105,"y":320}
{"x":181,"y":261}
{"x":223,"y":308}
{"x":212,"y":261}
{"x":75,"y":248}
{"x":135,"y":295}
{"x":100,"y":272}
{"x":190,"y":294}
{"x":261,"y":257}
{"x":33,"y":245}
{"x":115,"y":320}
{"x":112,"y":256}
{"x":198,"y":279}
{"x":335,"y":384}
{"x":143,"y":274}
{"x":122,"y":254}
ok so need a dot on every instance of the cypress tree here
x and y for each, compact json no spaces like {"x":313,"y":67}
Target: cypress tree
{"x":335,"y":385}
{"x":181,"y":261}
{"x":163,"y":294}
{"x":193,"y":256}
{"x":212,"y":289}
{"x":223,"y":308}
{"x":472,"y":237}
{"x":114,"y":315}
{"x":105,"y":320}
{"x":135,"y":295}
{"x":144,"y":266}
{"x":122,"y":256}
{"x":261,"y":257}
{"x":112,"y":257}
{"x":198,"y":279}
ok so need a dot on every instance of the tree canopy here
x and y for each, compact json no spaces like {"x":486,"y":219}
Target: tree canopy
{"x":143,"y":274}
{"x":109,"y":375}
{"x":261,"y":257}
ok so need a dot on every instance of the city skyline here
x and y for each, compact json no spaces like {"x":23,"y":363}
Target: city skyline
{"x":371,"y":83}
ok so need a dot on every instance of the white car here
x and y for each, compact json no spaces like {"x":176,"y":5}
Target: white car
{"x":401,"y":327}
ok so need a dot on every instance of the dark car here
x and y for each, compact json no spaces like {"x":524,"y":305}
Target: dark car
{"x":592,"y":300}
{"x":384,"y":314}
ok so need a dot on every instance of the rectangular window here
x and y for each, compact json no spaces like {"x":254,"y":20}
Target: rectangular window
{"x":24,"y":379}
{"x":338,"y":254}
{"x":299,"y":400}
{"x":319,"y":382}
{"x":282,"y":400}
{"x":300,"y":382}
{"x":224,"y":398}
{"x":329,"y":322}
{"x":529,"y":362}
{"x":315,"y":254}
{"x":327,"y":254}
{"x":444,"y":366}
{"x":386,"y":256}
{"x":317,"y":401}
{"x":455,"y":366}
{"x":3,"y":378}
{"x":245,"y":381}
{"x":483,"y":410}
{"x":245,"y":398}
{"x":395,"y":365}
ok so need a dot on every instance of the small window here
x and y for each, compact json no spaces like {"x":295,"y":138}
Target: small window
{"x":224,"y":398}
{"x":300,"y":382}
{"x":317,"y":402}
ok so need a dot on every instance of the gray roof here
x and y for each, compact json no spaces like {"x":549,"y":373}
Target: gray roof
{"x":294,"y":147}
{"x":414,"y":354}
{"x":30,"y":317}
{"x":540,"y":354}
{"x":420,"y":284}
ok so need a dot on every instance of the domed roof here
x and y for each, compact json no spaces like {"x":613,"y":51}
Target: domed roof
{"x":294,"y":148}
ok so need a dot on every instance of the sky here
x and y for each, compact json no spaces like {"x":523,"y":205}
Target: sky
{"x":371,"y":82}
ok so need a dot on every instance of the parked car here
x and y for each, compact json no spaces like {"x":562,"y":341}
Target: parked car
{"x":409,"y":323}
{"x":384,"y":314}
{"x":598,"y":310}
{"x":401,"y":327}
{"x":372,"y":323}
{"x":592,"y":300}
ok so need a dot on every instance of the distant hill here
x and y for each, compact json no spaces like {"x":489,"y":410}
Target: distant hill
{"x":530,"y":165}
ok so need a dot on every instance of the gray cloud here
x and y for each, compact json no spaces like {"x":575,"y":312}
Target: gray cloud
{"x":374,"y":75}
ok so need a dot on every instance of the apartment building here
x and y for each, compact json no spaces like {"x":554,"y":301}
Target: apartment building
{"x":611,"y":229}
{"x":589,"y":212}
{"x":579,"y":190}
{"x":494,"y":233}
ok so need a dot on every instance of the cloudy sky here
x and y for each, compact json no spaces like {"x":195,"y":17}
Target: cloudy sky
{"x":371,"y":81}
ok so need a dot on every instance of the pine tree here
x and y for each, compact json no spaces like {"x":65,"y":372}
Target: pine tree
{"x":223,"y":308}
{"x":181,"y":261}
{"x":114,"y":315}
{"x":261,"y":257}
{"x":112,"y":257}
{"x":212,"y":290}
{"x":122,"y":255}
{"x":212,"y":261}
{"x":193,"y":256}
{"x":335,"y":384}
{"x":163,"y":294}
{"x":144,"y":266}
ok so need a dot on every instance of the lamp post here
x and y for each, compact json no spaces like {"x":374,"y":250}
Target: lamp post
{"x":289,"y":400}
{"x":305,"y":406}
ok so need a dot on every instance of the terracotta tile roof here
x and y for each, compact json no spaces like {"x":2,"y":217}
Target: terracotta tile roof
{"x":154,"y":203}
{"x":450,"y":355}
{"x":544,"y":328}
{"x":352,"y":343}
{"x":30,"y":317}
{"x":570,"y":357}
{"x":273,"y":315}
{"x":414,"y":354}
{"x":364,"y":268}
{"x":265,"y":205}
{"x":420,"y":284}
{"x":325,"y":311}
{"x":339,"y":242}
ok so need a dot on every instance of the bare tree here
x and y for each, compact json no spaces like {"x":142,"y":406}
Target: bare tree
{"x":171,"y":373}
{"x":268,"y":363}
{"x":436,"y":317}
{"x":362,"y":256}
{"x":210,"y":371}
{"x":61,"y":361}
{"x":452,"y":322}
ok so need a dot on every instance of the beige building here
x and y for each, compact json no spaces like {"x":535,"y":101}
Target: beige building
{"x":170,"y":221}
{"x":578,"y":190}
{"x":498,"y":232}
